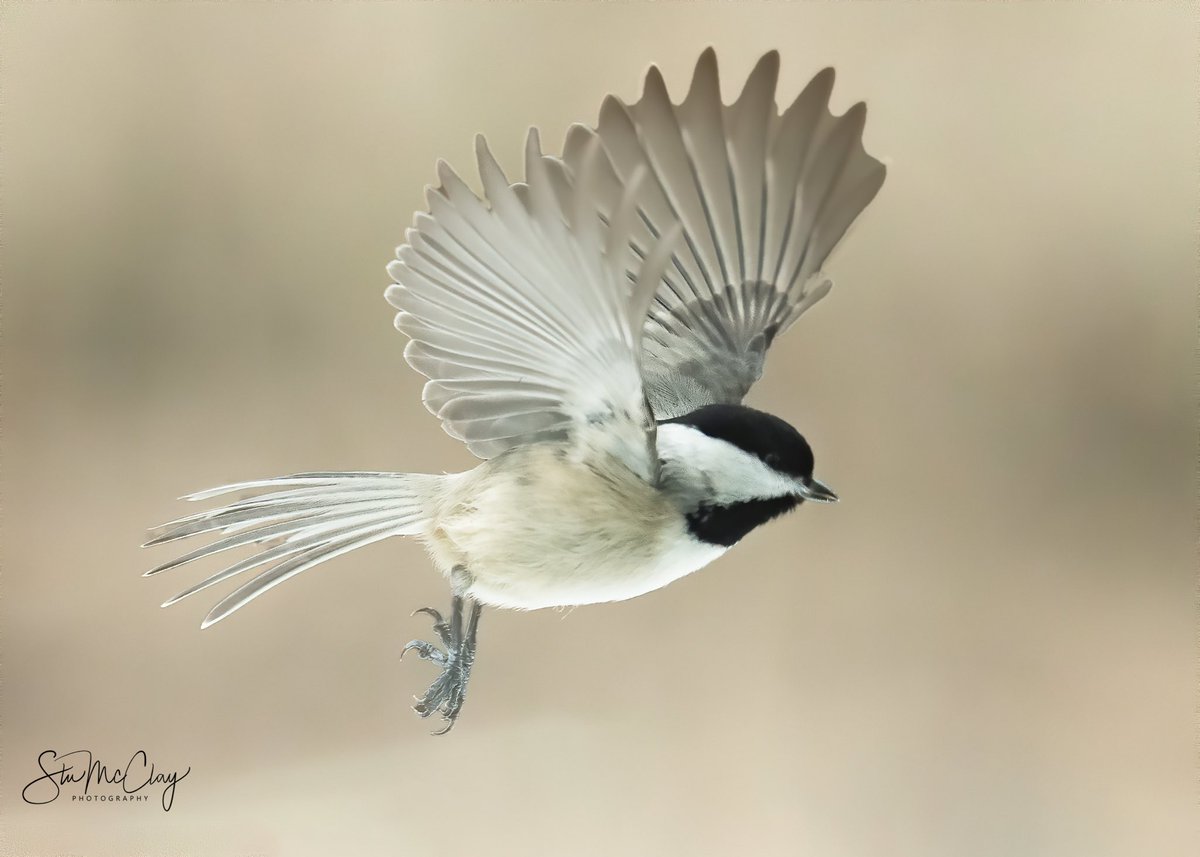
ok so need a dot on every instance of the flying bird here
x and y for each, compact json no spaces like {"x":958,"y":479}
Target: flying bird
{"x":589,"y":333}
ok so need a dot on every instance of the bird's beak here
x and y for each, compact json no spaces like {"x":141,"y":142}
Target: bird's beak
{"x":816,"y":492}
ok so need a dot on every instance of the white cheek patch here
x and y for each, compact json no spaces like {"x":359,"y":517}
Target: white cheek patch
{"x":733,"y":475}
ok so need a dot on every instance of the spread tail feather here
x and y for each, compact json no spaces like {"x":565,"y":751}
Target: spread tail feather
{"x":298,"y":522}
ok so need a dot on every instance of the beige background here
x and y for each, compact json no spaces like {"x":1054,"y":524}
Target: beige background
{"x":986,"y":649}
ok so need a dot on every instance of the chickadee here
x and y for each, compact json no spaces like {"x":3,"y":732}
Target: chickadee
{"x":590,"y":334}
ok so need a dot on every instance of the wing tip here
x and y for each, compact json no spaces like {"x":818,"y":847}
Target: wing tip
{"x":393,"y":292}
{"x":820,"y":87}
{"x":706,"y":66}
{"x":495,"y":181}
{"x":654,"y":86}
{"x":533,"y":142}
{"x":612,"y":109}
{"x":856,"y":113}
{"x":768,"y":66}
{"x":575,"y":143}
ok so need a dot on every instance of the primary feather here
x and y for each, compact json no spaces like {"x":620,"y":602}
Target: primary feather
{"x":762,"y":199}
{"x":519,"y":309}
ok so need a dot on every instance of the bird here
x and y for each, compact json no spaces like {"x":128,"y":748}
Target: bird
{"x":589,"y":333}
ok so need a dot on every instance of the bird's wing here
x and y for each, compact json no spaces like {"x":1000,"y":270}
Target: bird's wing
{"x":762,"y":199}
{"x":520,"y":311}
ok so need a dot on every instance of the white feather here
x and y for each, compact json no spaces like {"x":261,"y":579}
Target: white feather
{"x":519,"y":310}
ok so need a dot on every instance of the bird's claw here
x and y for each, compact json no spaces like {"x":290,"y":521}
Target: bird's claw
{"x":425,"y":651}
{"x":440,"y":626}
{"x":449,"y":689}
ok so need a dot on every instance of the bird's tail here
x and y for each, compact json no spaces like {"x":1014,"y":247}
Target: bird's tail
{"x":298,"y":522}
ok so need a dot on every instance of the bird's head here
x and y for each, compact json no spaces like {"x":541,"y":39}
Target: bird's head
{"x":737,"y":468}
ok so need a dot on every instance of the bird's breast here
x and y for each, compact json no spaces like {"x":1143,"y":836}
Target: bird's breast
{"x":543,"y":531}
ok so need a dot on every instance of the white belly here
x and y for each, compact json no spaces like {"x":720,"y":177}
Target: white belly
{"x":609,"y":577}
{"x":562,"y":535}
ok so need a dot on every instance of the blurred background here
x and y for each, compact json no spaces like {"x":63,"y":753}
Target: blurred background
{"x":987,"y":648}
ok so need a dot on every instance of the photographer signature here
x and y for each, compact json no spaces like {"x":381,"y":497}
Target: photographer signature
{"x":79,"y":766}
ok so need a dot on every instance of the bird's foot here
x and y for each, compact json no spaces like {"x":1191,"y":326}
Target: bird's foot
{"x":449,"y":690}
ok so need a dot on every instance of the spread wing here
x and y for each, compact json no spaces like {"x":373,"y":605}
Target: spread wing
{"x":762,"y":199}
{"x":520,"y":311}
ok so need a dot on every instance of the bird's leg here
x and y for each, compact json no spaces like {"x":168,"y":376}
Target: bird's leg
{"x":449,"y":690}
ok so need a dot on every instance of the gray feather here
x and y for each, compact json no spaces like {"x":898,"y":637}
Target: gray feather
{"x":761,"y":198}
{"x":298,"y":522}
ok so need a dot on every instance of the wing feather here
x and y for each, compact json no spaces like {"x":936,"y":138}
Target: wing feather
{"x":519,"y":308}
{"x":761,"y":200}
